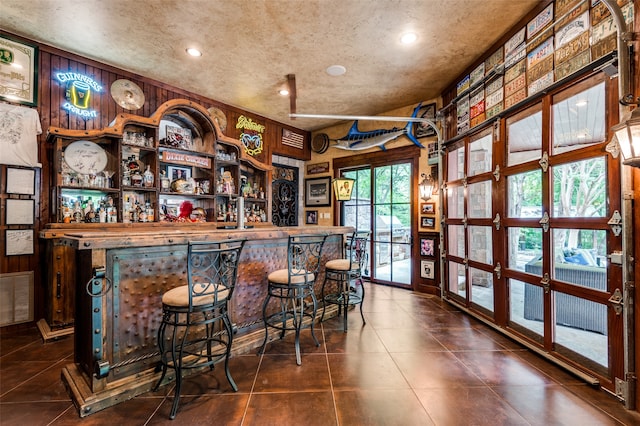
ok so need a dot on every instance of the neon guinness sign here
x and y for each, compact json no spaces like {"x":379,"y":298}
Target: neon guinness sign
{"x":251,"y":137}
{"x":79,"y":89}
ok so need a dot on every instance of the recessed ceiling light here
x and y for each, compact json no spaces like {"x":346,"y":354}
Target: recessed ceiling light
{"x":194,"y":52}
{"x":336,"y":70}
{"x":283,"y":92}
{"x":408,"y":38}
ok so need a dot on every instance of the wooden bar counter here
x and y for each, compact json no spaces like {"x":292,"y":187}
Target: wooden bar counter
{"x":121,"y":277}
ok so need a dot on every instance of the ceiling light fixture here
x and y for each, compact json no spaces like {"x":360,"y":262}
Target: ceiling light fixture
{"x":283,"y":92}
{"x":336,"y":70}
{"x":194,"y":52}
{"x":408,"y":38}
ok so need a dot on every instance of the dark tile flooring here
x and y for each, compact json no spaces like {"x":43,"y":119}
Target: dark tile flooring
{"x":417,"y":361}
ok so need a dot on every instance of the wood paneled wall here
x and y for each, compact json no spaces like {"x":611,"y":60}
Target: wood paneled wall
{"x":51,"y":96}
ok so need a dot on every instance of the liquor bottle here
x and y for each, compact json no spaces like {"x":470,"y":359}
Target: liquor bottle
{"x":126,"y":211}
{"x":150,"y":212}
{"x":165,"y":182}
{"x":112,"y":211}
{"x":102,"y":212}
{"x":78,"y":215}
{"x":135,"y":215}
{"x":148,"y":177}
{"x":136,"y":179}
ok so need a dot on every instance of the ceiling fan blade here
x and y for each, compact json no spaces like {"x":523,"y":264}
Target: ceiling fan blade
{"x":291,"y":80}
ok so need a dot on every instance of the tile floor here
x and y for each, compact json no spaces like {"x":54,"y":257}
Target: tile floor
{"x":417,"y":361}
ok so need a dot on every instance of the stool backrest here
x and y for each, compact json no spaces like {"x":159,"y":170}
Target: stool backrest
{"x":357,"y":249}
{"x":304,"y":252}
{"x":213,"y":269}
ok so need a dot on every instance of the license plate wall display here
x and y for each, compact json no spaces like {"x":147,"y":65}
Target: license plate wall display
{"x":569,"y":16}
{"x":462,"y":111}
{"x":494,"y":95}
{"x":603,"y":30}
{"x":540,"y":61}
{"x":495,"y":59}
{"x":572,"y":65}
{"x":515,"y":49}
{"x":572,"y":30}
{"x":476,"y":75}
{"x":476,"y":107}
{"x":462,"y":85}
{"x":539,"y":28}
{"x":563,"y":6}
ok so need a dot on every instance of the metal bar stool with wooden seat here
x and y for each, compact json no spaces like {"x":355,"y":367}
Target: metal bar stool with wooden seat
{"x":196,"y":331}
{"x":292,"y":288}
{"x":343,"y":272}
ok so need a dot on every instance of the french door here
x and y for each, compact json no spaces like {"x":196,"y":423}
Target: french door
{"x":527,"y":234}
{"x":382,"y":203}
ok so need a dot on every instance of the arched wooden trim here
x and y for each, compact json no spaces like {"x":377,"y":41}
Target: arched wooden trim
{"x":116,"y":128}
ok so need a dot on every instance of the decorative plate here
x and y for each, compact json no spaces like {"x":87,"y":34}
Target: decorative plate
{"x":85,"y":157}
{"x":320,"y":143}
{"x":220,"y":118}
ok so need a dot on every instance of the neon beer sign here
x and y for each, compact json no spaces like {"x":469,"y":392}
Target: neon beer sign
{"x":251,"y":137}
{"x":79,"y":88}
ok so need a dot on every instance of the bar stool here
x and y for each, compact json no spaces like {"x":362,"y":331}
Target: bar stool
{"x":196,"y":331}
{"x":292,"y":287}
{"x":343,"y":272}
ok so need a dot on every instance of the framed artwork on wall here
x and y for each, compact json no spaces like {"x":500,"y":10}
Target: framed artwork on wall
{"x":428,"y":222}
{"x":18,"y":242}
{"x":19,"y":212}
{"x":21,"y":181}
{"x":423,"y":130}
{"x":427,"y":208}
{"x":427,"y":246}
{"x":317,"y":192}
{"x":312,"y":217}
{"x":18,"y":72}
{"x":427,"y":269}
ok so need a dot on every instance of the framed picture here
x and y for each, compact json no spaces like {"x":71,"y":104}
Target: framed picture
{"x":18,"y":242}
{"x":312,"y":217}
{"x":179,"y":137}
{"x":427,"y":269}
{"x":21,"y":181}
{"x":19,"y":212}
{"x":314,"y":169}
{"x":18,"y":72}
{"x":423,"y":130}
{"x":428,"y":246}
{"x":317,"y":192}
{"x":428,"y":222}
{"x":427,"y":208}
{"x":177,"y":172}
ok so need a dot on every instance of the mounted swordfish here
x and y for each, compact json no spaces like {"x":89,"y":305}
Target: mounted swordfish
{"x":356,"y":140}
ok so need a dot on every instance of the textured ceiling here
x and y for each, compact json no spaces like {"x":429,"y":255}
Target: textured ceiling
{"x":251,"y":45}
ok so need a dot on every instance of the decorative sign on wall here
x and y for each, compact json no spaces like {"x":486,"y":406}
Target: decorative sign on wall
{"x":251,"y":136}
{"x":79,"y":88}
{"x":18,"y":72}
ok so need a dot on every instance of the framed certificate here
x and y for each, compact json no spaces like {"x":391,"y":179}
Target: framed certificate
{"x":19,"y":212}
{"x":21,"y":181}
{"x":18,"y":72}
{"x":18,"y":242}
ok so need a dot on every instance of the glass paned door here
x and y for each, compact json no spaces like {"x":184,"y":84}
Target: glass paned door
{"x":469,"y":231}
{"x":559,"y":189}
{"x":392,"y":223}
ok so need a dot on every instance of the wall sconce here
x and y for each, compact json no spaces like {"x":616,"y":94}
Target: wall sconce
{"x":426,"y":187}
{"x":342,"y":188}
{"x":628,"y":135}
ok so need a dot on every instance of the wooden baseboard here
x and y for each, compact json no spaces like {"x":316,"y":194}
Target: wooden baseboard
{"x":48,"y":334}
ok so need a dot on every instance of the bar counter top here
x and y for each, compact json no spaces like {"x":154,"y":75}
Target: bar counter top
{"x":81,"y":239}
